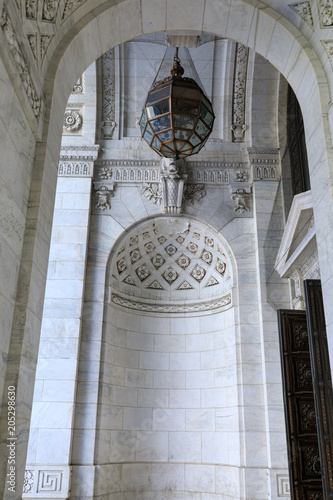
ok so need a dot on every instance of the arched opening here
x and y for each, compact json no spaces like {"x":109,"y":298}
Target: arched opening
{"x":238,"y":25}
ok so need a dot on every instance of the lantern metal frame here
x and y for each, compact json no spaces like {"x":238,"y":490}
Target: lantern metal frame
{"x":177,"y":117}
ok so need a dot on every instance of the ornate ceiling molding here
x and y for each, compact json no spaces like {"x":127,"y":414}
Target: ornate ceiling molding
{"x":167,"y":259}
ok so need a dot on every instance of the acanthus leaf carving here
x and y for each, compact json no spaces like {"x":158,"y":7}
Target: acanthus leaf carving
{"x":20,"y":63}
{"x":193,"y":193}
{"x":152,"y":191}
{"x":50,"y":8}
{"x":303,"y":9}
{"x":326,"y":13}
{"x":31,"y":9}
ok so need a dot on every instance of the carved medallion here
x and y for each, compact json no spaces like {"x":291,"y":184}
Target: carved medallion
{"x":170,"y":275}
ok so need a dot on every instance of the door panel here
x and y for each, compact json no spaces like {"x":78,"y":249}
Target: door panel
{"x":320,"y":366}
{"x":302,"y":440}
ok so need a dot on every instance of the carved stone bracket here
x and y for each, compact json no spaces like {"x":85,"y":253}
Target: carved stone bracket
{"x":172,"y":181}
{"x":241,"y":197}
{"x":47,"y":481}
{"x":103,"y":195}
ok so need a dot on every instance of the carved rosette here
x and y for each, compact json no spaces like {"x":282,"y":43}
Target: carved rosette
{"x":72,"y":121}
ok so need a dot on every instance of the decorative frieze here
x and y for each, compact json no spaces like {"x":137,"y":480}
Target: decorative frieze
{"x":303,"y":9}
{"x":137,"y":171}
{"x":170,"y":308}
{"x":75,"y":169}
{"x":283,"y":485}
{"x":20,"y":63}
{"x":108,"y":123}
{"x":42,"y":482}
{"x":265,"y":164}
{"x":79,"y":153}
{"x":238,"y":109}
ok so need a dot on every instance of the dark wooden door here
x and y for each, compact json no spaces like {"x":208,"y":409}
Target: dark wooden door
{"x":322,"y":383}
{"x":302,"y":440}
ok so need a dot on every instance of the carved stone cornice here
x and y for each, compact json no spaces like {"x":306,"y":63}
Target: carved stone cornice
{"x":265,"y":164}
{"x":79,"y":153}
{"x":199,"y":172}
{"x":221,"y":304}
{"x":77,"y":161}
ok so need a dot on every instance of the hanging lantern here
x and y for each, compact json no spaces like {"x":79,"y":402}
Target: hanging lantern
{"x":177,"y":117}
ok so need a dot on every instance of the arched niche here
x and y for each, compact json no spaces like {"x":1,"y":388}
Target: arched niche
{"x":168,"y":403}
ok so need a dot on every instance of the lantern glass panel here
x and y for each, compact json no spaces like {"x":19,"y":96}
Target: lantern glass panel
{"x":182,"y":134}
{"x":156,"y":143}
{"x":161,"y":123}
{"x":195,"y":140}
{"x":165,"y":136}
{"x":159,"y":108}
{"x":158,"y":94}
{"x":206,"y":115}
{"x":148,"y":134}
{"x":184,"y":121}
{"x":143,"y":121}
{"x":186,"y":92}
{"x":185,"y":106}
{"x":201,"y":129}
{"x":196,"y":149}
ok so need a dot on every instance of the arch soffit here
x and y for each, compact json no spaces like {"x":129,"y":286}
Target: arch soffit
{"x":261,"y":28}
